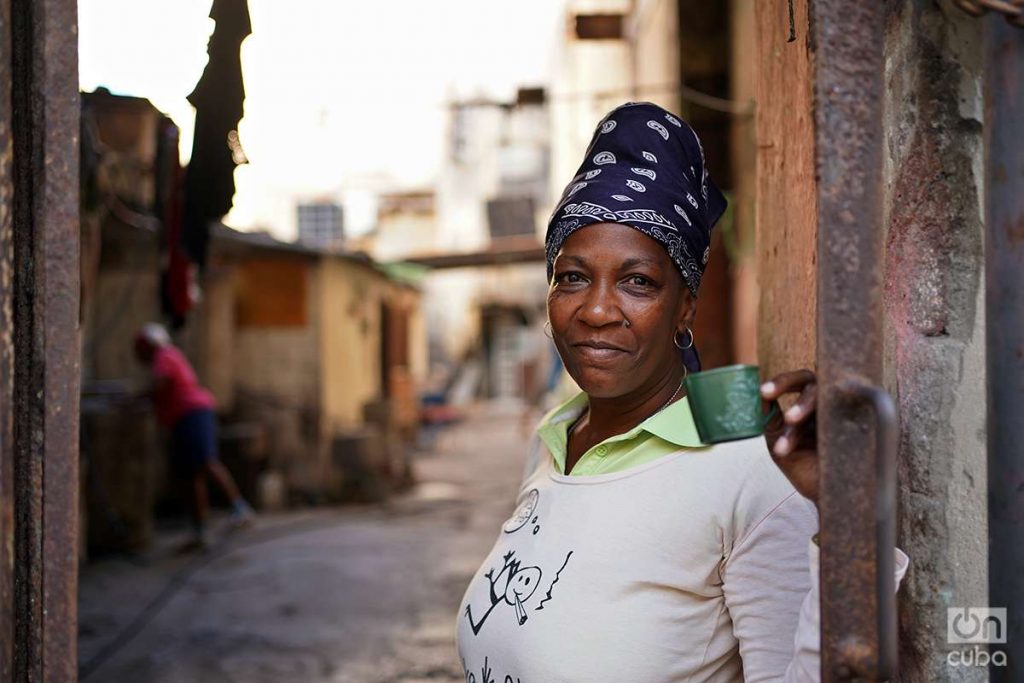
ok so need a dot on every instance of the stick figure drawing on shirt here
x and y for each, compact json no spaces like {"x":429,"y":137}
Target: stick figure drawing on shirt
{"x":514,"y":585}
{"x":519,"y":584}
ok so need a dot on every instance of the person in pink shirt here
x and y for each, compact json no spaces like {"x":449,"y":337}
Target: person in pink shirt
{"x":186,"y":410}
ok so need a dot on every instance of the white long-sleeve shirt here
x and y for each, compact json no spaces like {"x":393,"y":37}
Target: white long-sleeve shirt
{"x":696,"y":566}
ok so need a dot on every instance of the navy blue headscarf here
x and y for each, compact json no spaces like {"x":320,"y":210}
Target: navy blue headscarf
{"x":644,"y":168}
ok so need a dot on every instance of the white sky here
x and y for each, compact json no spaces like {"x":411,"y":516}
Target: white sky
{"x":342,"y":97}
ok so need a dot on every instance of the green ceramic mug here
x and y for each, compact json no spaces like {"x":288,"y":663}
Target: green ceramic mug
{"x":726,"y":403}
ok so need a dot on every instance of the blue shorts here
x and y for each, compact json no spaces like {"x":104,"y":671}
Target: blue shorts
{"x":194,"y":441}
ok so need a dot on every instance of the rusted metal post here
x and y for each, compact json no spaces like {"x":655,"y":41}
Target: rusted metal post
{"x":6,"y":355}
{"x":1004,"y":330}
{"x":857,"y":420}
{"x":39,"y":274}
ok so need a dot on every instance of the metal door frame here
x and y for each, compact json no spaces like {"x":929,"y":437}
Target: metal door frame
{"x":39,"y":339}
{"x":857,"y":421}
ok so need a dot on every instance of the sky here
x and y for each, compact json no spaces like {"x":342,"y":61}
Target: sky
{"x":343,"y":98}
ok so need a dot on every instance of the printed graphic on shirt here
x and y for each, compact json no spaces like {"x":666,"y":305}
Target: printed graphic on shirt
{"x":558,"y":574}
{"x":523,"y":513}
{"x":486,"y":674}
{"x":514,"y":585}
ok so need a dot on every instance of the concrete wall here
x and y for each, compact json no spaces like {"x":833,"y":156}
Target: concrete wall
{"x":349,"y":342}
{"x":368,"y":410}
{"x":351,"y":330}
{"x":279,"y":360}
{"x":934,"y":315}
{"x":276,"y":370}
{"x":124,"y":296}
{"x":122,"y":450}
{"x":401,"y":233}
{"x":217,"y":343}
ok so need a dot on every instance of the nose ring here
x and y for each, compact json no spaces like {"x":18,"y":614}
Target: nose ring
{"x":625,"y":323}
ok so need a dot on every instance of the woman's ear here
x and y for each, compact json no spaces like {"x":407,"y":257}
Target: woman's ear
{"x":687,"y":310}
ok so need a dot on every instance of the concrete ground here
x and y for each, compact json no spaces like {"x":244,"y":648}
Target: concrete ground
{"x":362,"y":594}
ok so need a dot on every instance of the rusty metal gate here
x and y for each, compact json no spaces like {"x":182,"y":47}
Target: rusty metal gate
{"x":39,"y":273}
{"x":857,"y":418}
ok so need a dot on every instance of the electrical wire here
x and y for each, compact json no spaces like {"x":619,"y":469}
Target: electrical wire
{"x":681,"y":90}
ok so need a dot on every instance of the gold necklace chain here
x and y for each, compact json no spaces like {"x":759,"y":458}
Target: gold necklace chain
{"x":572,"y":427}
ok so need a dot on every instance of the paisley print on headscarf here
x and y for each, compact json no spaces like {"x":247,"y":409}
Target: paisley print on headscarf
{"x":677,"y":205}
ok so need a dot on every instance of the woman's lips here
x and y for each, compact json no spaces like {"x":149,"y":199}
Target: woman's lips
{"x":598,"y":353}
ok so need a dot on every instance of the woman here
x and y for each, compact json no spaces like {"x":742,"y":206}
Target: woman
{"x":635,"y":553}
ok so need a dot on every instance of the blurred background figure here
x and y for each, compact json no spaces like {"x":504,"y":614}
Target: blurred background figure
{"x":186,"y":409}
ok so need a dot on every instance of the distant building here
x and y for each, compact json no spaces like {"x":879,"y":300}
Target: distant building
{"x":479,"y":229}
{"x":321,"y":224}
{"x":406,"y":224}
{"x":314,"y":355}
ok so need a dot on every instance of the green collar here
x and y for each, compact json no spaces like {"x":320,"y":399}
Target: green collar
{"x":673,"y":424}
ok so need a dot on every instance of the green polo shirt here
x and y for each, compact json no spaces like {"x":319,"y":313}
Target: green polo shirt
{"x":664,"y":432}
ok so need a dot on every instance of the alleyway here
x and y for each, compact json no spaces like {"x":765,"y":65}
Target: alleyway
{"x":361,"y":594}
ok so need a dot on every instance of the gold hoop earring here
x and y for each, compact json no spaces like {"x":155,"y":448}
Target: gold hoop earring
{"x":547,"y":330}
{"x":683,"y":347}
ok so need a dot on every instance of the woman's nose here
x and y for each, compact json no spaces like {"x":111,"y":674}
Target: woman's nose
{"x":600,"y":308}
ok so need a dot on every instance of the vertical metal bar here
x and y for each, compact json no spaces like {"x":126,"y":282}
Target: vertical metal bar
{"x":44,"y":131}
{"x":6,"y":354}
{"x":1004,"y":329}
{"x":858,"y":619}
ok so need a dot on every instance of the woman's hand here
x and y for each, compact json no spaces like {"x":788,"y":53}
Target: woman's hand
{"x":792,"y":437}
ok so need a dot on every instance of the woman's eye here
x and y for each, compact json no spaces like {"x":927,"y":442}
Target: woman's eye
{"x":570,"y":278}
{"x":639,"y":281}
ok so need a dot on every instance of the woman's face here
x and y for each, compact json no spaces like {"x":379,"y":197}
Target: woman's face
{"x":606,"y":274}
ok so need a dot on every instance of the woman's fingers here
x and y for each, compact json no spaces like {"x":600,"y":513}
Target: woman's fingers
{"x":793,"y":438}
{"x":799,"y":419}
{"x":786,"y":442}
{"x":777,"y":420}
{"x":805,"y":405}
{"x":796,"y":428}
{"x":786,"y":382}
